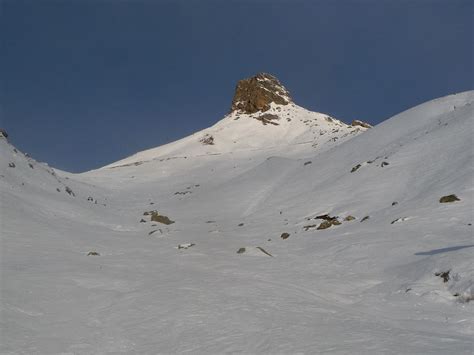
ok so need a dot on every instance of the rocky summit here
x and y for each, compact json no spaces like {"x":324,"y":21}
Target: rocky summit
{"x":257,"y":93}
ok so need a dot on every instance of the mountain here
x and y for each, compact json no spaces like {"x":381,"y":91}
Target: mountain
{"x":263,"y":119}
{"x":260,"y":246}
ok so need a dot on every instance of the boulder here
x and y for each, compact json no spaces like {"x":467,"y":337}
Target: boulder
{"x":449,"y":198}
{"x":156,"y":217}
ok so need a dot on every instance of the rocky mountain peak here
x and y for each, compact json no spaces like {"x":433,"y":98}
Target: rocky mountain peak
{"x":258,"y":92}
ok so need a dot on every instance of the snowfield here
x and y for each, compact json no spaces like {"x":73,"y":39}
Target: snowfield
{"x":372,"y":262}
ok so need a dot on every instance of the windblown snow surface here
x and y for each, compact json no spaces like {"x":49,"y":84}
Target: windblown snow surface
{"x":221,"y":279}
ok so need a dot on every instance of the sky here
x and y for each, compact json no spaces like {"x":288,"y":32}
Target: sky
{"x":84,"y":83}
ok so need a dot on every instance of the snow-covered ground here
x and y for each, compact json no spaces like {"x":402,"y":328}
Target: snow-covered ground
{"x":221,"y":279}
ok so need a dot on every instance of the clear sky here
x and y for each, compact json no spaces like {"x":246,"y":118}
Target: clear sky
{"x":87,"y":82}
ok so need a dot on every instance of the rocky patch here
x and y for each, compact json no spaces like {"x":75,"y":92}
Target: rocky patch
{"x":268,"y":118}
{"x":361,"y":124}
{"x":207,"y":140}
{"x":285,"y":236}
{"x":257,"y":93}
{"x":156,"y":217}
{"x":449,"y":198}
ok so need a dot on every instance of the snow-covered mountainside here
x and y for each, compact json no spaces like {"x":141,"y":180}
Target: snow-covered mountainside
{"x":363,"y":245}
{"x":263,"y":119}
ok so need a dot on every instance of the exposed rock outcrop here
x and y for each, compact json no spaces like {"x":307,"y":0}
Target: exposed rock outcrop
{"x":361,"y":123}
{"x":257,"y":93}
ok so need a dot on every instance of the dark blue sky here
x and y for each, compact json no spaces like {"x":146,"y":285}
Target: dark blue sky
{"x":85,"y":83}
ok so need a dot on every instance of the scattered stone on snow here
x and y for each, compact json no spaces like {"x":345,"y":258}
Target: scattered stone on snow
{"x":185,"y":245}
{"x":11,"y":165}
{"x":93,"y":253}
{"x":355,"y":168}
{"x":444,"y":275}
{"x":324,"y":225}
{"x":361,"y":123}
{"x":307,"y":163}
{"x":207,"y":140}
{"x":349,"y":218}
{"x":69,"y":191}
{"x":284,"y":236}
{"x":449,"y":198}
{"x":384,"y":163}
{"x":365,"y":218}
{"x":241,"y":251}
{"x":156,"y":217}
{"x":394,"y":203}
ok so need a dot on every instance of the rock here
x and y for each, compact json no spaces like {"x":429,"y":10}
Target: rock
{"x":326,"y":217}
{"x":307,"y":163}
{"x":328,"y":221}
{"x":257,"y":93}
{"x":156,"y":217}
{"x":449,"y":198}
{"x":69,"y":191}
{"x":349,"y":218}
{"x":207,"y":140}
{"x":394,"y":203}
{"x":444,"y":275}
{"x":360,"y":123}
{"x":3,"y":133}
{"x":240,"y":225}
{"x":241,"y":251}
{"x":308,"y":227}
{"x":355,"y":168}
{"x":11,"y":165}
{"x":365,"y":218}
{"x":185,"y":245}
{"x":93,"y":253}
{"x":142,"y":221}
{"x":285,"y":236}
{"x":384,"y":163}
{"x":268,"y":118}
{"x":325,"y":225}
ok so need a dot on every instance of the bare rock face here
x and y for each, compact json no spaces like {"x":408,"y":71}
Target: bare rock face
{"x":3,"y":133}
{"x":361,"y":123}
{"x":257,"y":93}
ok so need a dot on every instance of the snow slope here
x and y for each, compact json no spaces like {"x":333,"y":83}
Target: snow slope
{"x":363,"y":286}
{"x":293,"y":132}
